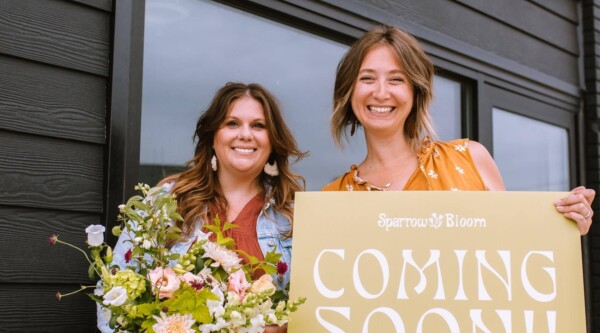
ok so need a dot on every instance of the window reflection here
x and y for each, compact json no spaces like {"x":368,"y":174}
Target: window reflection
{"x":531,"y":155}
{"x":193,"y":47}
{"x":446,"y":108}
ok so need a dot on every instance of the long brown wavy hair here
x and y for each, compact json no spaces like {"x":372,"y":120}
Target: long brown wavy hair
{"x":198,"y":190}
{"x":417,"y":67}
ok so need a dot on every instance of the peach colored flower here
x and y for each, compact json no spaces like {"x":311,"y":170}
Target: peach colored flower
{"x":264,"y":283}
{"x":238,"y":284}
{"x":164,"y":281}
{"x":173,"y":324}
{"x":222,"y":256}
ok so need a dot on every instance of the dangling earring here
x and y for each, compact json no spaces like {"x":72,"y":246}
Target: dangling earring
{"x":213,"y":163}
{"x":271,"y":169}
{"x":353,"y":128}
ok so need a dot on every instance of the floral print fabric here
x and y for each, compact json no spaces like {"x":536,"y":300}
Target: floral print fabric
{"x":443,"y":166}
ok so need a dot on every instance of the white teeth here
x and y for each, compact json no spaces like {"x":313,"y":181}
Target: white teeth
{"x":242,"y":150}
{"x":381,"y":109}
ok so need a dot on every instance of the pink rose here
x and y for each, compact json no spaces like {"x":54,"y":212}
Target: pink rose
{"x":264,"y":283}
{"x":238,"y":284}
{"x":164,"y":281}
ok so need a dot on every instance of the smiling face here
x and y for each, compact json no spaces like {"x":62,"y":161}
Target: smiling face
{"x":242,"y":144}
{"x":382,"y":97}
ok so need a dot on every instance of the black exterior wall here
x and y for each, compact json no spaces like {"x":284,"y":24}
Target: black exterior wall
{"x":591,"y":102}
{"x":54,"y":70}
{"x":70,"y":92}
{"x":61,"y":75}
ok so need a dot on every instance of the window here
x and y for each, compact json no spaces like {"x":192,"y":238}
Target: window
{"x":193,"y":47}
{"x":531,"y":155}
{"x":446,"y":108}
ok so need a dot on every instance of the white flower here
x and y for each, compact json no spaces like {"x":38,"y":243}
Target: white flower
{"x":237,"y":319}
{"x":116,"y":296}
{"x":216,"y":308}
{"x":173,"y":324}
{"x":146,"y":244}
{"x":258,"y":322}
{"x":222,"y":256}
{"x":216,"y":327}
{"x":271,"y":318}
{"x":95,"y":234}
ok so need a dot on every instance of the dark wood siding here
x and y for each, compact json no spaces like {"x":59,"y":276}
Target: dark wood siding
{"x":499,"y":38}
{"x":591,"y":38}
{"x":54,"y":74}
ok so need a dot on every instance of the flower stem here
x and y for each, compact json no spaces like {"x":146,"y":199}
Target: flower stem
{"x":82,"y":251}
{"x":59,"y":295}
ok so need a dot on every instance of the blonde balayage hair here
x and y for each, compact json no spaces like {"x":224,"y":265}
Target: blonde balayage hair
{"x":197,"y":189}
{"x":417,"y":68}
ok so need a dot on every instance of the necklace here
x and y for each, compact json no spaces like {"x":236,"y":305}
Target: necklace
{"x":387,"y":185}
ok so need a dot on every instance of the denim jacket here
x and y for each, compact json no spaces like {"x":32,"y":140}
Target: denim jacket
{"x":271,"y":229}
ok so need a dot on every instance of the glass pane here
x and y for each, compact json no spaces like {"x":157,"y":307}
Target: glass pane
{"x":446,"y":108}
{"x":531,"y":155}
{"x":194,"y":47}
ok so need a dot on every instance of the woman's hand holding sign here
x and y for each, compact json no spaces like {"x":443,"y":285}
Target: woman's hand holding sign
{"x":577,"y":206}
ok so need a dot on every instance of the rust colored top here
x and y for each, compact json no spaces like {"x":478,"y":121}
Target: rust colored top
{"x":245,"y":235}
{"x":443,"y":166}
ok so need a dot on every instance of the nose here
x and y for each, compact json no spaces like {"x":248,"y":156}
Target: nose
{"x":245,"y":133}
{"x":381,"y":90}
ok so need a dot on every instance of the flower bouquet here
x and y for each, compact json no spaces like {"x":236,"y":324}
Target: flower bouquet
{"x":206,"y":289}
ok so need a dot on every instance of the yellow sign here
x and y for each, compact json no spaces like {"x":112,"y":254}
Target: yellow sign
{"x":435,"y":262}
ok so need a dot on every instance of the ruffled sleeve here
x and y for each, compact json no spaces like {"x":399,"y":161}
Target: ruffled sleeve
{"x":448,"y":166}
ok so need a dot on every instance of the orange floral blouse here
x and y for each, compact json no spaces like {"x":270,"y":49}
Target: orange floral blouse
{"x":443,"y":166}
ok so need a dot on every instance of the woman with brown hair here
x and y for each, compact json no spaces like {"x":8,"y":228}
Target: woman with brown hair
{"x":384,"y":84}
{"x":240,"y":173}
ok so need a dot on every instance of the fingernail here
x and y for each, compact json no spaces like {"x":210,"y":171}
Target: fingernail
{"x":560,"y":208}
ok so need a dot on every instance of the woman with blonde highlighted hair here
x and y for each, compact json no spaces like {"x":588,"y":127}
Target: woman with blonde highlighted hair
{"x":384,"y":84}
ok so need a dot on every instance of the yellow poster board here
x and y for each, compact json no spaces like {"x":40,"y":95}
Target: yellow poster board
{"x":435,"y":262}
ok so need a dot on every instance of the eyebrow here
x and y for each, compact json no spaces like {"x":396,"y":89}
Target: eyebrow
{"x":253,"y":120}
{"x":395,"y":71}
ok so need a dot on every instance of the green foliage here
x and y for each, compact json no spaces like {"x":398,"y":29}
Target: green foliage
{"x":148,"y":221}
{"x":188,"y":300}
